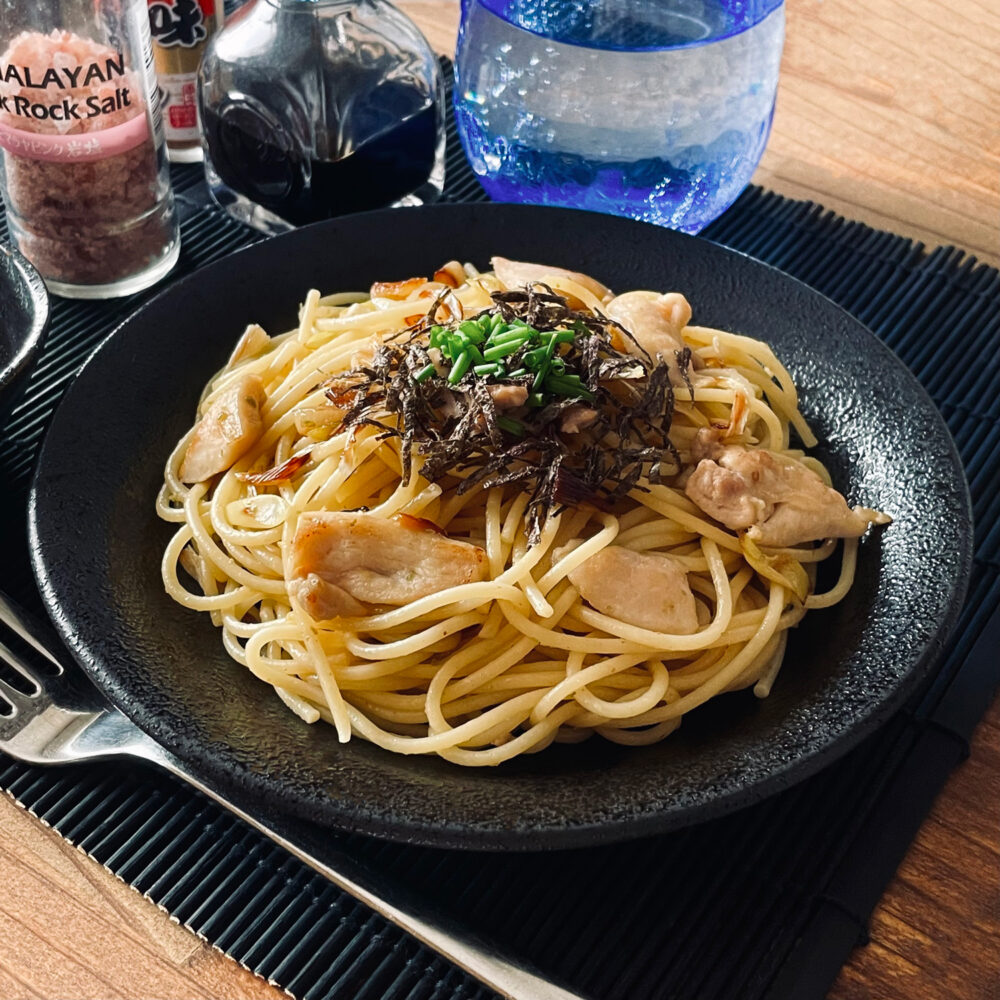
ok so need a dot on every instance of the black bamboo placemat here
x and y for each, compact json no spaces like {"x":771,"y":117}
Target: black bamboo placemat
{"x":763,"y":904}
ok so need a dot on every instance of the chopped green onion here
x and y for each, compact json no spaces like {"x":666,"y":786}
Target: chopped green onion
{"x":506,"y":336}
{"x":460,"y":367}
{"x":472,"y":331}
{"x":474,"y":353}
{"x":511,"y":426}
{"x":567,"y":385}
{"x":481,"y":344}
{"x":503,"y":350}
{"x":569,"y":382}
{"x":535,"y":358}
{"x":424,"y":374}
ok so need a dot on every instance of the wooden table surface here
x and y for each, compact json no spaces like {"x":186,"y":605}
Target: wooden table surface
{"x":888,"y":112}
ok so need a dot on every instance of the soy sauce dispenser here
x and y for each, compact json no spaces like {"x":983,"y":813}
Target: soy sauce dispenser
{"x":315,"y":108}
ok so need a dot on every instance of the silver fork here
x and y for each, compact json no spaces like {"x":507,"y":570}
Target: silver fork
{"x":63,"y":719}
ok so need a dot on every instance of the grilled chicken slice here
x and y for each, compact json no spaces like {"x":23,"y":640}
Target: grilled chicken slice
{"x":322,"y":600}
{"x":505,"y":397}
{"x":707,"y":443}
{"x":577,"y":418}
{"x":508,"y":397}
{"x":228,"y":429}
{"x":517,"y":274}
{"x":341,"y":562}
{"x":655,"y":320}
{"x":777,"y":500}
{"x":642,"y":588}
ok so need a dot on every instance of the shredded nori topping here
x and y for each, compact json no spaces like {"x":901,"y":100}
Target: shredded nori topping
{"x":621,"y":406}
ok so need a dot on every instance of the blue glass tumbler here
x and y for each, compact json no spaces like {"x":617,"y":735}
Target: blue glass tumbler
{"x":655,"y":110}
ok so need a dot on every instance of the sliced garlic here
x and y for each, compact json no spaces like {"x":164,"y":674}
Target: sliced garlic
{"x":309,"y":419}
{"x":265,"y":511}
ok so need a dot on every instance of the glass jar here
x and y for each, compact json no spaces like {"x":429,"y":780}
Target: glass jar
{"x":314,"y":108}
{"x":82,"y":167}
{"x":658,"y":111}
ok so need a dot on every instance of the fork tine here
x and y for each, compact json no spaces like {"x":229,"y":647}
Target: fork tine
{"x":18,"y":700}
{"x":16,"y":620}
{"x":12,"y":660}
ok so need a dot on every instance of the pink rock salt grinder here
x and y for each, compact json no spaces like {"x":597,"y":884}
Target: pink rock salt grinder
{"x":82,"y":165}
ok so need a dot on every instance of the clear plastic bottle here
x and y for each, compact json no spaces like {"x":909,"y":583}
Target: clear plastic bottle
{"x":82,"y":165}
{"x":315,"y":108}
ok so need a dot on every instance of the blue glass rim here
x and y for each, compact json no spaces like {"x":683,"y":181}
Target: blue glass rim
{"x":744,"y":15}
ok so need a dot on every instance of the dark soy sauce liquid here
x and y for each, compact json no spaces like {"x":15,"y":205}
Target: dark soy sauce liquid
{"x":267,"y":169}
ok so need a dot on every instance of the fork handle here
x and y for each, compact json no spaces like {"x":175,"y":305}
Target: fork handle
{"x":70,"y":721}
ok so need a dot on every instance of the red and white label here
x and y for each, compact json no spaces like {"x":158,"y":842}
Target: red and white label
{"x":180,"y":107}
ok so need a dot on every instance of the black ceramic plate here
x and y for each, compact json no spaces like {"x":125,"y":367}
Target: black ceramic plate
{"x":24,"y":315}
{"x":97,"y":545}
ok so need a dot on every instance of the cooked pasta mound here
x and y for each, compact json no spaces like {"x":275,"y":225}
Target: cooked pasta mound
{"x":474,"y":514}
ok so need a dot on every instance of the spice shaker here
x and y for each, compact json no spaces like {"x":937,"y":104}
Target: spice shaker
{"x":181,"y":30}
{"x":315,"y":108}
{"x":83,"y":171}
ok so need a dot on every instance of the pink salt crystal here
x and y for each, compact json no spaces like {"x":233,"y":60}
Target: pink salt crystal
{"x":38,"y":52}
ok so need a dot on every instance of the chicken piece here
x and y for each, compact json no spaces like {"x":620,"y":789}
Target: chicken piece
{"x":505,"y":397}
{"x":654,"y":320}
{"x":517,"y":274}
{"x":322,"y":600}
{"x":508,"y":397}
{"x":577,"y":418}
{"x":645,"y":589}
{"x":450,"y":406}
{"x":778,"y":500}
{"x":340,"y":562}
{"x":229,"y":428}
{"x":707,"y":443}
